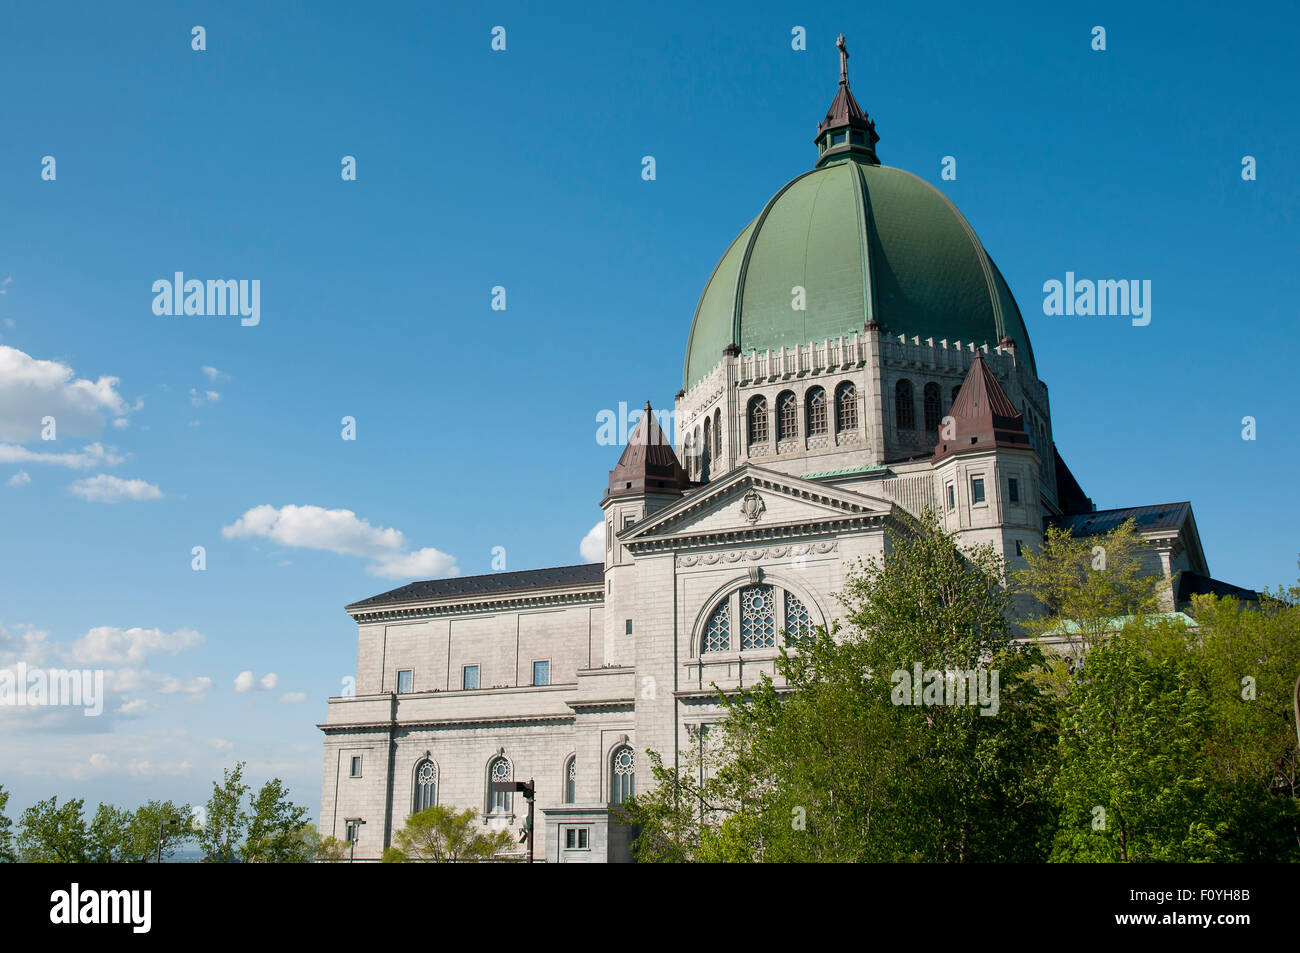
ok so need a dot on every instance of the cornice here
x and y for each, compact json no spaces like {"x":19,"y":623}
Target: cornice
{"x":587,"y":595}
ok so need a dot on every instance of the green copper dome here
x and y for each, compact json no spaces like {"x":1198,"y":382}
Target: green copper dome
{"x":865,"y":242}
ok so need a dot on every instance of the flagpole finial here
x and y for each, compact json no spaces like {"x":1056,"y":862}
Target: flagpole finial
{"x":844,"y":60}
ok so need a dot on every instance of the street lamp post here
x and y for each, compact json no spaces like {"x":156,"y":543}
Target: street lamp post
{"x":352,"y":841}
{"x":528,"y":789}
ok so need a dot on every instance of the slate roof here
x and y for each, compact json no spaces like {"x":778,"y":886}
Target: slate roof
{"x":1164,"y":516}
{"x":1195,"y":584}
{"x":490,"y":584}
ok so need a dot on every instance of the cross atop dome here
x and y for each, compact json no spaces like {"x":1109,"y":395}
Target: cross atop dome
{"x":846,"y":131}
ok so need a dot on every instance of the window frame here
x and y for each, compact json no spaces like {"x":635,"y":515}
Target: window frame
{"x":410,"y":687}
{"x":535,"y":682}
{"x":478,"y":677}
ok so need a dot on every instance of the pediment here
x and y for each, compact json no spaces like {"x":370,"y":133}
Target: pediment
{"x":755,"y":499}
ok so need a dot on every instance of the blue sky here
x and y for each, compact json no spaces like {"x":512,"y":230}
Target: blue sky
{"x":476,"y":428}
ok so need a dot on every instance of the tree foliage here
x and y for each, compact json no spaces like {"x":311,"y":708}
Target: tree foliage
{"x":7,"y":851}
{"x":225,"y":822}
{"x":439,"y":833}
{"x":275,"y":828}
{"x":1121,"y":733}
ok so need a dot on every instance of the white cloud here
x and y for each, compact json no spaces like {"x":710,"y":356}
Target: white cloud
{"x":171,"y":685}
{"x":212,"y":374}
{"x":592,"y":546}
{"x":293,"y":697}
{"x":103,"y":488}
{"x":425,"y":563}
{"x":341,"y":531}
{"x":221,"y":744}
{"x":31,"y":389}
{"x":133,"y":707}
{"x":91,"y":455}
{"x":206,"y":397}
{"x":106,"y":645}
{"x":19,"y":479}
{"x":245,"y":682}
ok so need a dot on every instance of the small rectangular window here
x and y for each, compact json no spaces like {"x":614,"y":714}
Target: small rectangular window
{"x":469,"y":677}
{"x":404,"y":680}
{"x":952,"y":497}
{"x":356,"y":766}
{"x":628,"y":627}
{"x":976,"y":490}
{"x":575,"y":838}
{"x":1013,"y":490}
{"x":542,"y":673}
{"x":1020,"y":551}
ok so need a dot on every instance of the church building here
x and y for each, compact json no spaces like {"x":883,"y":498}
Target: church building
{"x":855,"y":358}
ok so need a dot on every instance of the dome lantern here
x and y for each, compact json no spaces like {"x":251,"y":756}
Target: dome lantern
{"x":846,"y":130}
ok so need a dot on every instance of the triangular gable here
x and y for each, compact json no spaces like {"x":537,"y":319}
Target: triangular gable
{"x":728,"y":505}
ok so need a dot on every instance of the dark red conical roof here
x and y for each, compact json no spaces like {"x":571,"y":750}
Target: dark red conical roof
{"x":983,"y":416}
{"x":648,"y":463}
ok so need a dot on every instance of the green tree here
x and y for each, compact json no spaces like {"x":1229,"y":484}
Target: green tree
{"x":439,"y":833}
{"x":225,"y":823}
{"x":52,"y":834}
{"x":1082,"y":588}
{"x":109,"y":836}
{"x":827,"y":766}
{"x":275,"y":828}
{"x":322,"y":848}
{"x":7,"y":852}
{"x":1132,"y":783}
{"x":155,"y":820}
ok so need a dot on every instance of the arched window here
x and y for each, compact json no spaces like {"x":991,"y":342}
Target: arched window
{"x":426,"y":786}
{"x":757,"y":420}
{"x":717,"y":434}
{"x":622,"y":774}
{"x":571,"y":780}
{"x":787,"y":419}
{"x":717,"y":632}
{"x":499,"y":801}
{"x":846,"y":407}
{"x":904,"y":411}
{"x":698,"y":447}
{"x":757,"y":617}
{"x":816,"y":412}
{"x":798,"y":622}
{"x":706,"y":449}
{"x":932,"y":409}
{"x":762,"y":608}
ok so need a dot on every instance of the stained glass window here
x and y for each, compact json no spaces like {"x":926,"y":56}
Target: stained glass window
{"x":499,"y":800}
{"x":797,"y":620}
{"x":717,"y":633}
{"x":816,"y":412}
{"x":757,"y":617}
{"x":758,"y":420}
{"x":904,"y":411}
{"x":787,"y":424}
{"x":931,"y":401}
{"x":622,"y":775}
{"x":426,"y":786}
{"x":846,"y":407}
